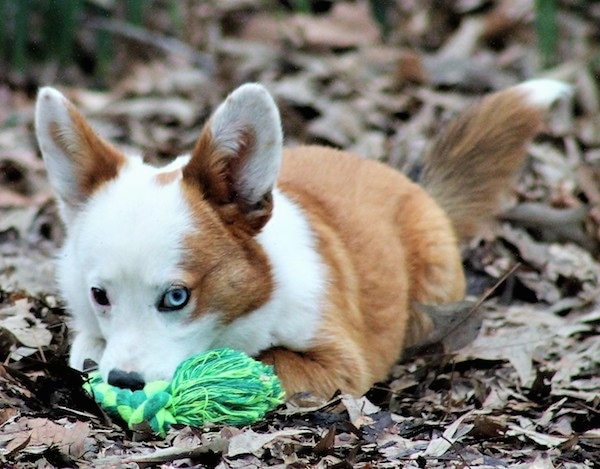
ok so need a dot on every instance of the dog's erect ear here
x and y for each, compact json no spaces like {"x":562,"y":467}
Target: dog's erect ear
{"x":78,"y":161}
{"x":236,"y":161}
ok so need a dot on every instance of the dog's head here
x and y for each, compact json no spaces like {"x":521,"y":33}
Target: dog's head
{"x":158,"y":261}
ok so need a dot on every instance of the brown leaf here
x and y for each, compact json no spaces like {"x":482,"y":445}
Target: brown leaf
{"x":452,"y":434}
{"x":515,"y":344}
{"x":347,"y":25}
{"x":21,"y":323}
{"x":455,"y":325}
{"x":327,"y":442}
{"x":488,"y":427}
{"x":359,"y":409}
{"x":68,"y":437}
{"x":410,"y":69}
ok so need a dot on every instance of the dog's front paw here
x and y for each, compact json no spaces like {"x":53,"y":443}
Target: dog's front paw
{"x":86,"y":347}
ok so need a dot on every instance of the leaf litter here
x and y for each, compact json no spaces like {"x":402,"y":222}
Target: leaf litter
{"x":524,"y":393}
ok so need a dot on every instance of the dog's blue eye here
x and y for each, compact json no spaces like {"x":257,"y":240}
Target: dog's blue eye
{"x":174,"y":298}
{"x":100,"y":296}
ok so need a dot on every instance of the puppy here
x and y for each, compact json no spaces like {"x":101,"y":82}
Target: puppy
{"x":309,"y":258}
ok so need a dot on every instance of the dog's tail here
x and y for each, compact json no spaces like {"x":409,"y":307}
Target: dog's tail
{"x":475,"y":159}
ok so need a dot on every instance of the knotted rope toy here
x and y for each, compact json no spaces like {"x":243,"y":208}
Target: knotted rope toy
{"x":219,"y":386}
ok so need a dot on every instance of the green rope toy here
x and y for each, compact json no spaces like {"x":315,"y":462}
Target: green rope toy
{"x":219,"y":386}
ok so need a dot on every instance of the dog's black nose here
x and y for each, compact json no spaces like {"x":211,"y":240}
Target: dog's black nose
{"x":124,"y":379}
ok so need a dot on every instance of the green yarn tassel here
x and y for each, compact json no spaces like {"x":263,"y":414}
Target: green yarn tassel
{"x":219,"y":386}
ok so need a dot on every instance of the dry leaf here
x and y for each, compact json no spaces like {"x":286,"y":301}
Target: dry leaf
{"x":515,"y":344}
{"x":250,"y":442}
{"x":452,"y":434}
{"x":548,"y":441}
{"x":347,"y":25}
{"x":69,"y":437}
{"x":27,"y":329}
{"x":359,"y":409}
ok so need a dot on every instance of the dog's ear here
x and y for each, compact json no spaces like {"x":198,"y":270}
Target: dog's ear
{"x":236,"y":160}
{"x":77,"y":160}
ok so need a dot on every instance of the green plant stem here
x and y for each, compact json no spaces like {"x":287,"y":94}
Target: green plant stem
{"x":19,"y":50}
{"x":135,"y":11}
{"x":547,"y":31}
{"x":68,"y":13}
{"x":104,"y":52}
{"x":302,"y":6}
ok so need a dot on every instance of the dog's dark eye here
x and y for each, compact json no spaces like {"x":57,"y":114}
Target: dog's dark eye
{"x":100,"y":296}
{"x":174,"y":298}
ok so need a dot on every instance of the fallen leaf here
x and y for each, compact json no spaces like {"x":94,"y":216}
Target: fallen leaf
{"x":452,"y":434}
{"x":359,"y":409}
{"x":515,"y":344}
{"x":69,"y":437}
{"x":326,"y":442}
{"x":548,"y":441}
{"x":455,"y":324}
{"x":337,"y":30}
{"x":251,"y":442}
{"x":26,"y":328}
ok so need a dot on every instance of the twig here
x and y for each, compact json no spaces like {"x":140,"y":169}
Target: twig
{"x":218,"y":446}
{"x":79,"y":413}
{"x":472,"y":309}
{"x":168,"y":45}
{"x":483,"y":298}
{"x":457,"y":451}
{"x":487,"y":294}
{"x":564,"y":223}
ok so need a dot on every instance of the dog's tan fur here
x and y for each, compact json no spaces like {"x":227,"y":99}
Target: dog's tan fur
{"x":386,"y":242}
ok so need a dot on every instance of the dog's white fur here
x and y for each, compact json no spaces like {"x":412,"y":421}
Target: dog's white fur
{"x":544,"y":92}
{"x":128,"y":237}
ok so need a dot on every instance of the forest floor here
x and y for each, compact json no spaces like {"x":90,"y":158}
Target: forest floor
{"x":524,"y":393}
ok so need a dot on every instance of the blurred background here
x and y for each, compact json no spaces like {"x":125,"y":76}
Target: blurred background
{"x":98,"y":40}
{"x":379,"y":78}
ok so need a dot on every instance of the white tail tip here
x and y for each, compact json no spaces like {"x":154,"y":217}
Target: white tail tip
{"x":544,"y":92}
